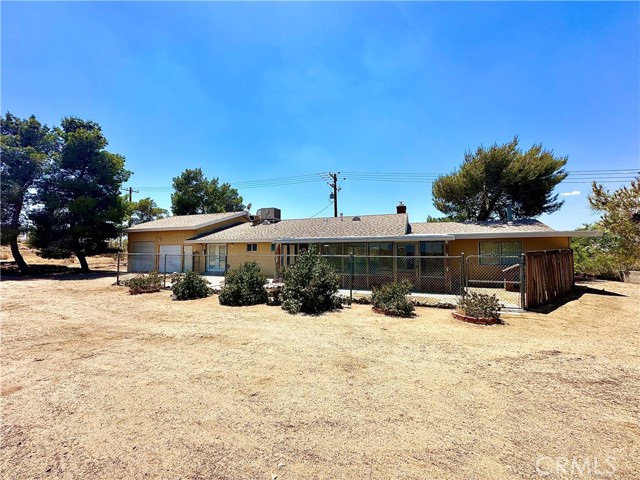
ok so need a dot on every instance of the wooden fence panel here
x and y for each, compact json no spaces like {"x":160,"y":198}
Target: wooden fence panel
{"x":549,"y":276}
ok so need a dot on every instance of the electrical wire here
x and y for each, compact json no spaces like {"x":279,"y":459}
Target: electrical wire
{"x":573,"y":177}
{"x":328,"y":205}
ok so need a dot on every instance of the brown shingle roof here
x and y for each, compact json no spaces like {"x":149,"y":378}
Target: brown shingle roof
{"x":185,"y":222}
{"x":313,"y":228}
{"x":495,"y":227}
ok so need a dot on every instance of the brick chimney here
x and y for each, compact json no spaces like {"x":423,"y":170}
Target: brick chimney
{"x":401,"y":208}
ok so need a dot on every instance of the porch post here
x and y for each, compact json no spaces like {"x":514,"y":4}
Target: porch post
{"x":164,"y":281}
{"x":522,"y":282}
{"x":352,"y":272}
{"x":463,"y":279}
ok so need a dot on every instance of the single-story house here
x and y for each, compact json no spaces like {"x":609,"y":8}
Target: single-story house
{"x":384,"y":247}
{"x":166,"y":238}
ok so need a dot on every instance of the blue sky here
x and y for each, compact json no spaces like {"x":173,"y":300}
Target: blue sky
{"x":251,"y":91}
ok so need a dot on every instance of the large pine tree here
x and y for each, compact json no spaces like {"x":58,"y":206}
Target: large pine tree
{"x":491,"y":180}
{"x":26,"y":146}
{"x":81,"y":208}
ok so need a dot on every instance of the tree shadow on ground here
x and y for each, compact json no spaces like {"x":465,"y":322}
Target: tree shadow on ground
{"x":52,"y":272}
{"x":578,"y":292}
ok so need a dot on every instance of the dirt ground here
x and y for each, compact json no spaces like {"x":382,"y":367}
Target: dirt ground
{"x":30,"y":256}
{"x":100,"y":384}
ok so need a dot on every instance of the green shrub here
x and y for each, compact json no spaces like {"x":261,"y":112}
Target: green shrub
{"x":310,"y":285}
{"x":480,"y":305}
{"x":392,"y":299}
{"x":190,"y":286}
{"x":599,"y":256}
{"x":244,"y":286}
{"x":142,"y":283}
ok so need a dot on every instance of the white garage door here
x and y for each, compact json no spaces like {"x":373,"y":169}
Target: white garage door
{"x":139,"y":262}
{"x":173,"y":261}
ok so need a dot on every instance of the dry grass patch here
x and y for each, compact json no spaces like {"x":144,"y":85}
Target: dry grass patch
{"x":100,"y":384}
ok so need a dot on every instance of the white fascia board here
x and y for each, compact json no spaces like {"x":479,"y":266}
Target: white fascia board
{"x":405,"y":238}
{"x":400,"y":238}
{"x":230,"y":240}
{"x":570,"y":233}
{"x":190,"y":227}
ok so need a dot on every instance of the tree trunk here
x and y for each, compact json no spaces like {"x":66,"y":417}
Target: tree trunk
{"x":84,"y":266}
{"x":15,"y":229}
{"x":17,"y":256}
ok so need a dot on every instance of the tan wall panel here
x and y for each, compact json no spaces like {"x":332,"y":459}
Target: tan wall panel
{"x":471,"y":247}
{"x":264,"y":257}
{"x":176,"y":237}
{"x":172,"y":237}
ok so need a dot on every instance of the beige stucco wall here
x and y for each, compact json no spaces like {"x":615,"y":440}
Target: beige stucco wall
{"x":173,"y":237}
{"x":160,"y":238}
{"x":177,"y":237}
{"x":237,"y":255}
{"x":471,"y":247}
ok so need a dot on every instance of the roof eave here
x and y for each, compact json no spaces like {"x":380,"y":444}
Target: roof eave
{"x":551,"y":234}
{"x":391,"y":238}
{"x":194,"y":227}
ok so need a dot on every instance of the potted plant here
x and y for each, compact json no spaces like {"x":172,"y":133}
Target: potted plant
{"x":478,"y":308}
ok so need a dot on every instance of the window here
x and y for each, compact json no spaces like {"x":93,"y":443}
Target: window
{"x":252,"y":247}
{"x":429,"y":266}
{"x":273,"y":247}
{"x":380,"y":258}
{"x":359,"y":252}
{"x":500,"y":253}
{"x":406,"y":250}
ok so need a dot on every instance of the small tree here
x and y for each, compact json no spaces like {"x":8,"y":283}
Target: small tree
{"x":244,"y":285}
{"x":621,"y":218}
{"x":597,"y":255}
{"x":80,"y":206}
{"x":310,"y":285}
{"x":195,"y":194}
{"x":146,"y":210}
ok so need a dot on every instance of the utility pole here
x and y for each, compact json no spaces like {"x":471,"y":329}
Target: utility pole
{"x":131,"y":191}
{"x":336,"y":189}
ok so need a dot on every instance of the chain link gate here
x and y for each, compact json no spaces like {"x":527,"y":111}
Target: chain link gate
{"x":499,"y":275}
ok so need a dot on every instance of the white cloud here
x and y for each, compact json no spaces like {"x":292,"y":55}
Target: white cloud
{"x":568,"y":194}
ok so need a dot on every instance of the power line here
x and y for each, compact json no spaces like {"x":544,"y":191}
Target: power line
{"x":328,"y":205}
{"x":573,"y":177}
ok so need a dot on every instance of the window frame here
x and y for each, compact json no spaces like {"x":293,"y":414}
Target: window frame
{"x":498,"y":259}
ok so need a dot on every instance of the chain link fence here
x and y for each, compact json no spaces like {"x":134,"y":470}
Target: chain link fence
{"x":434,"y":280}
{"x":501,"y":275}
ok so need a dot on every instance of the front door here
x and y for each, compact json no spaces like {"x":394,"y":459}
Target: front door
{"x":216,"y":258}
{"x":188,"y":258}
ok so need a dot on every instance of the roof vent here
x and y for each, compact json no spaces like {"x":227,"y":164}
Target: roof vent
{"x":355,"y":219}
{"x":266,"y":222}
